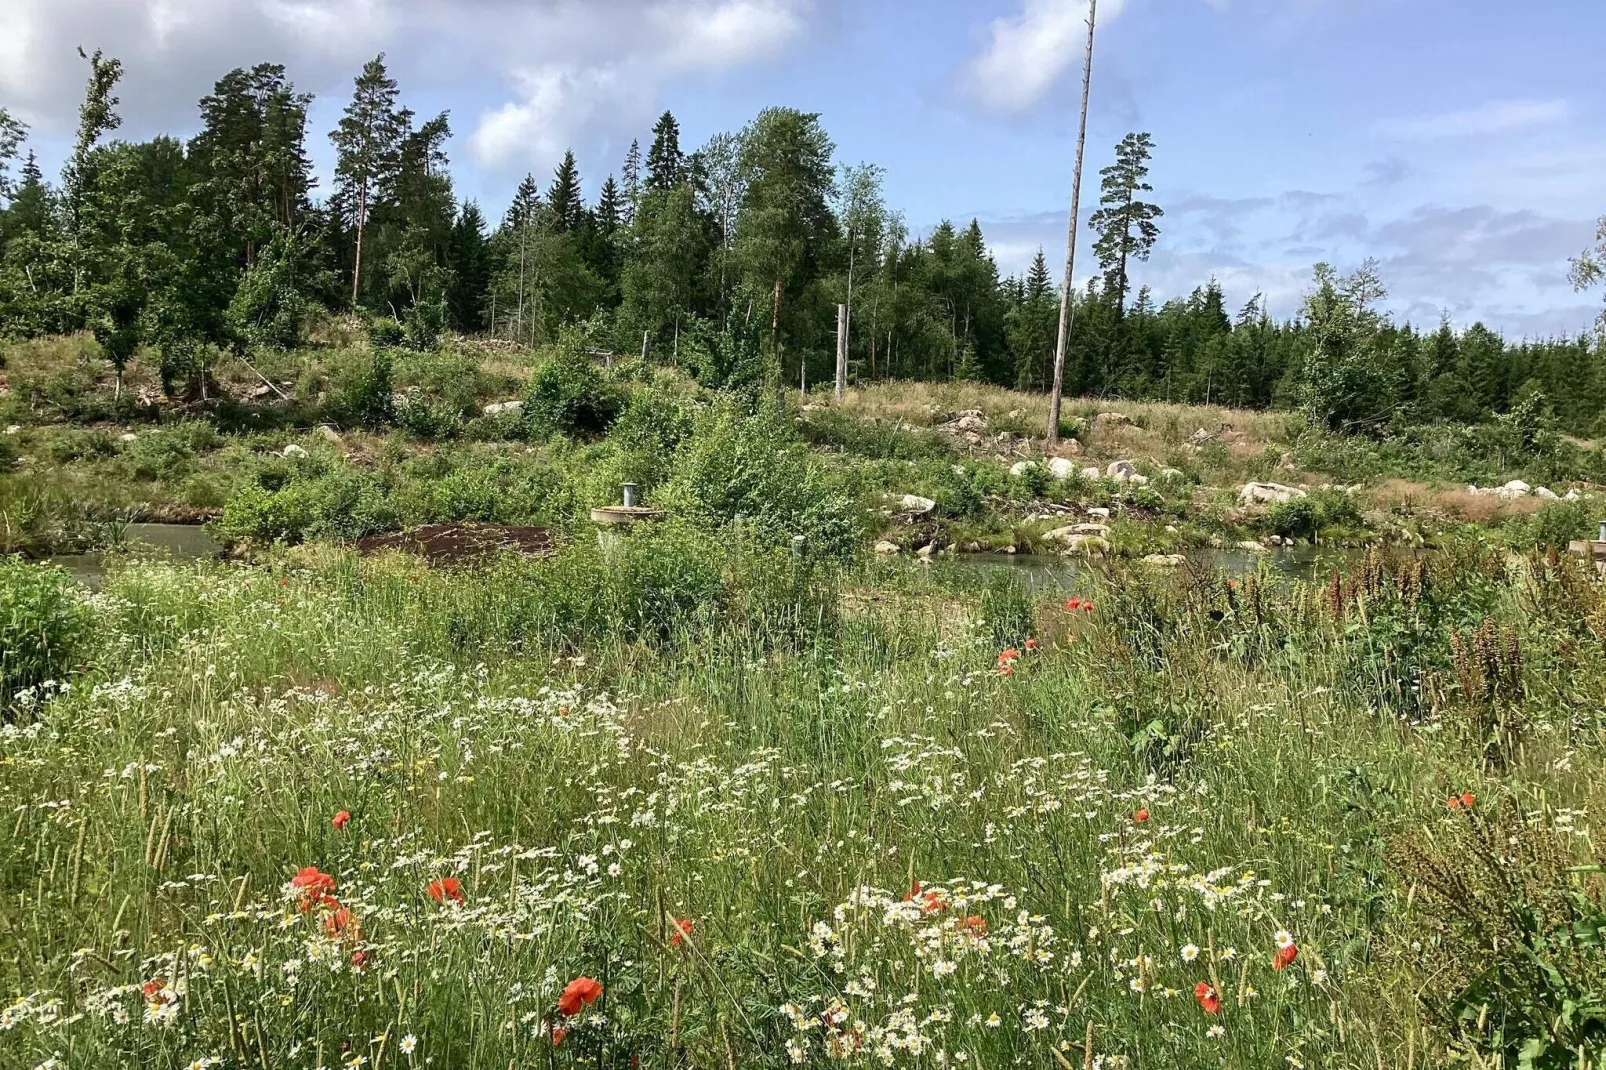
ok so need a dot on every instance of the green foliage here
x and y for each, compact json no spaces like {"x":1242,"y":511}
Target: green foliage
{"x":569,"y":394}
{"x":360,"y":391}
{"x":44,"y":626}
{"x":1558,"y":523}
{"x":748,"y":469}
{"x":1006,"y":612}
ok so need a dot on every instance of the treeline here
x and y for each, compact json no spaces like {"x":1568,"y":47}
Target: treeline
{"x":731,"y":259}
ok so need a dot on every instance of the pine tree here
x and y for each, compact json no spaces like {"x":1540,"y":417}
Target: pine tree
{"x":666,"y":164}
{"x":1125,"y":224}
{"x":368,"y":142}
{"x":564,"y":198}
{"x":469,"y":259}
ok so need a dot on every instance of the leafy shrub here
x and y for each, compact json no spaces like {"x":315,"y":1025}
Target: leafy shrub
{"x":568,"y":394}
{"x":749,"y":469}
{"x":1558,"y":523}
{"x":428,"y":417}
{"x":652,"y":427}
{"x":165,"y":453}
{"x":42,"y":626}
{"x":1295,"y":517}
{"x":385,"y":333}
{"x":360,"y":392}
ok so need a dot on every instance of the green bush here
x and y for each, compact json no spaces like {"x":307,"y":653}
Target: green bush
{"x":1558,"y":523}
{"x":570,"y":395}
{"x":385,"y":333}
{"x":428,"y":418}
{"x":749,"y":469}
{"x":42,"y":626}
{"x":360,"y":392}
{"x":1293,"y":518}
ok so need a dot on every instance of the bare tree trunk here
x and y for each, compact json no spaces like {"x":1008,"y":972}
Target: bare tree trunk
{"x":841,"y":352}
{"x":1070,"y":242}
{"x":356,"y":271}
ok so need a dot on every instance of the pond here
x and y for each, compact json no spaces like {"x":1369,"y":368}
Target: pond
{"x":1039,"y":572}
{"x":176,"y":542}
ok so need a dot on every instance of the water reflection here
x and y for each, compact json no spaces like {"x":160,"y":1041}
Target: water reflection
{"x":177,"y":542}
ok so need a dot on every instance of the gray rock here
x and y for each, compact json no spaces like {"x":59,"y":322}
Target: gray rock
{"x":498,"y":408}
{"x":127,"y":437}
{"x":1547,"y":494}
{"x":293,"y":452}
{"x":1121,"y":471}
{"x":1252,"y":547}
{"x":328,"y":432}
{"x":1137,"y":480}
{"x":915,"y":505}
{"x":1092,"y":473}
{"x":1114,"y":419}
{"x":1200,"y":437}
{"x":1266,"y":493}
{"x":1100,"y":512}
{"x":1020,"y":468}
{"x":885,"y":548}
{"x":1061,"y":468}
{"x":1170,"y":473}
{"x":1165,"y":560}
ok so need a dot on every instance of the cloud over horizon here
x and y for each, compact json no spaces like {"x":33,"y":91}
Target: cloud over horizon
{"x":1027,"y":53}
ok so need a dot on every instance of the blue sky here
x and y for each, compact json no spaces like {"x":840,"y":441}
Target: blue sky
{"x":1460,"y":142}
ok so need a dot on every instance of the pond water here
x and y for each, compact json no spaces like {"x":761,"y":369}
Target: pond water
{"x":176,"y":542}
{"x":1040,"y":572}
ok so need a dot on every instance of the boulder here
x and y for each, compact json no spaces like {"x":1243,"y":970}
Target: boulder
{"x":1121,"y":471}
{"x":915,"y":505}
{"x":1114,"y":419}
{"x":1101,"y":530}
{"x":1515,"y":489}
{"x":1061,"y":468}
{"x":1136,"y":480}
{"x":1085,"y":544}
{"x":1020,"y":468}
{"x":927,"y":551}
{"x":969,"y":420}
{"x":1165,"y":560}
{"x":498,"y":408}
{"x":1265,"y":493}
{"x":1571,"y":495}
{"x":325,"y":431}
{"x":1547,"y":494}
{"x":1200,"y":437}
{"x":884,"y":547}
{"x":127,"y":437}
{"x":1092,"y":473}
{"x":1251,"y":547}
{"x":1100,"y":512}
{"x":293,"y":452}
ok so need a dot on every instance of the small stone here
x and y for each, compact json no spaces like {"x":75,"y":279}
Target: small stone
{"x":499,"y":408}
{"x":1165,"y":560}
{"x":293,"y":452}
{"x":328,"y":432}
{"x":1262,"y":493}
{"x":128,"y":436}
{"x":1121,"y":471}
{"x":1092,"y":473}
{"x":885,"y":548}
{"x":1100,"y":512}
{"x":915,"y":505}
{"x":1114,"y":419}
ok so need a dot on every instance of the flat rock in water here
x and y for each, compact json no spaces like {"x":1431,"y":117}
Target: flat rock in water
{"x":1252,"y":547}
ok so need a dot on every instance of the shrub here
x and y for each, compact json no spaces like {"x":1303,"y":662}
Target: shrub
{"x":428,"y":417}
{"x":1295,"y":517}
{"x":1558,"y":523}
{"x":42,"y":626}
{"x":385,"y":333}
{"x":568,"y":394}
{"x":360,"y":392}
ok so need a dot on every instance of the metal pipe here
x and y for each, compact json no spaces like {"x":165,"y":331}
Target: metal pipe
{"x":630,"y":495}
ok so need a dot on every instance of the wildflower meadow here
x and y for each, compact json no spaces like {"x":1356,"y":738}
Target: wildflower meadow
{"x":330,"y":812}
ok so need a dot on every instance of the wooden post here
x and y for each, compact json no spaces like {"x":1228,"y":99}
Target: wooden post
{"x":1070,"y":250}
{"x":841,"y":352}
{"x":644,"y":336}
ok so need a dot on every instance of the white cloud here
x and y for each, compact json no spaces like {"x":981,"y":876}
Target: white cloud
{"x":1026,"y":53}
{"x":614,"y":58}
{"x":1495,"y":117}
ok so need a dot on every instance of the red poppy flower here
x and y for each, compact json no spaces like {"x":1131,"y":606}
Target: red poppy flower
{"x":1454,"y":802}
{"x":1087,"y":607}
{"x":1008,"y":657}
{"x":974,"y":924}
{"x":1205,"y":994}
{"x":577,"y":995}
{"x":1073,"y":604}
{"x":1031,"y":645}
{"x":313,"y":886}
{"x":1284,"y":957}
{"x":341,"y":922}
{"x":1141,"y":816}
{"x":445,"y":888}
{"x":359,"y":959}
{"x":1467,"y":799}
{"x":683,"y":927}
{"x":153,"y":988}
{"x":914,"y":890}
{"x":341,"y":819}
{"x":558,"y":1033}
{"x":1006,"y":670}
{"x":933,"y":901}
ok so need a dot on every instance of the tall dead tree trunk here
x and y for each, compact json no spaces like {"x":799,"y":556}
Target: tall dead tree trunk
{"x":1070,"y":249}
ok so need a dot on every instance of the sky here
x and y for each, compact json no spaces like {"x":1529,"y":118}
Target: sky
{"x":1461,"y":143}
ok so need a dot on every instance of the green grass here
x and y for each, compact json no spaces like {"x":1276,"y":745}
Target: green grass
{"x":824,"y":773}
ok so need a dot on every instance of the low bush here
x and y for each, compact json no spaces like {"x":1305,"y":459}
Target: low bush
{"x":43,"y":625}
{"x":569,"y":395}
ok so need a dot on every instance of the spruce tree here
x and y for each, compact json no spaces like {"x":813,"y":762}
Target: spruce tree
{"x":564,"y":198}
{"x":666,"y":164}
{"x":1039,"y":284}
{"x":631,"y":174}
{"x":526,"y":202}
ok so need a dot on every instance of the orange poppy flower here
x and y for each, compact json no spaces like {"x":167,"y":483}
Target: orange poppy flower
{"x":1467,"y":799}
{"x":1141,"y":816}
{"x":558,"y":1033}
{"x":342,"y":923}
{"x":1087,"y":607}
{"x":1073,"y":604}
{"x":577,"y":995}
{"x":1031,"y":645}
{"x":1454,"y":802}
{"x":683,"y":927}
{"x":974,"y":924}
{"x":153,"y":988}
{"x":445,"y":888}
{"x":1205,"y":994}
{"x":359,"y":959}
{"x":1284,"y":957}
{"x":341,"y":819}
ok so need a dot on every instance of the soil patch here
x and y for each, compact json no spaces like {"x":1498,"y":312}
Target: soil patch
{"x":448,"y":544}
